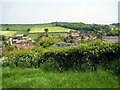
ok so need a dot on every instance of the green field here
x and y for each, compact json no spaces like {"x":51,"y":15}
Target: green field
{"x":13,"y":29}
{"x":37,"y":78}
{"x":7,"y":33}
{"x":36,"y":29}
{"x":16,"y":27}
{"x":33,"y":36}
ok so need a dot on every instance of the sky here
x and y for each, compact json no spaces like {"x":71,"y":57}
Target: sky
{"x":46,"y":11}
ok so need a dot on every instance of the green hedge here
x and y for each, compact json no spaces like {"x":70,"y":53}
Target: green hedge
{"x":23,"y":58}
{"x":84,"y":54}
{"x":82,"y":57}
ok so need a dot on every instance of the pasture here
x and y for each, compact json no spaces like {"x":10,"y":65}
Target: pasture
{"x":15,"y":27}
{"x":7,"y":33}
{"x":51,"y":27}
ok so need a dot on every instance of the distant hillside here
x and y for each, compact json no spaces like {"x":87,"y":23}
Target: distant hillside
{"x":51,"y":28}
{"x":56,"y":27}
{"x":83,"y":27}
{"x":15,"y":27}
{"x":116,"y":24}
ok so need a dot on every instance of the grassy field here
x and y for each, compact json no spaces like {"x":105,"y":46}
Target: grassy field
{"x":7,"y":33}
{"x":37,"y":78}
{"x":16,"y":27}
{"x":52,"y":28}
{"x":33,"y":36}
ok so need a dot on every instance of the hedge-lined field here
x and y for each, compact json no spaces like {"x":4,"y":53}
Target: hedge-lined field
{"x":83,"y":57}
{"x":36,"y":29}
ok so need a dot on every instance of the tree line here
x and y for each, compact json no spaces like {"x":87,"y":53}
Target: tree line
{"x":83,"y":27}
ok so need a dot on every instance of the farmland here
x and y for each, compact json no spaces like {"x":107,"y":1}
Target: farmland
{"x":14,"y":29}
{"x":7,"y":33}
{"x":36,"y":29}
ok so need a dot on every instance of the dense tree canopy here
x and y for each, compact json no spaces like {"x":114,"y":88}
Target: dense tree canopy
{"x":83,"y":27}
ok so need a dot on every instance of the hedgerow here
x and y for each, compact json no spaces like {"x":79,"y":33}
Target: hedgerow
{"x":85,"y":54}
{"x":81,"y":57}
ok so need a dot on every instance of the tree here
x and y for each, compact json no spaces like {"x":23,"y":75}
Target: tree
{"x":28,"y":29}
{"x":7,"y":29}
{"x":2,"y":38}
{"x":100,"y":35}
{"x":46,"y":31}
{"x":25,"y":34}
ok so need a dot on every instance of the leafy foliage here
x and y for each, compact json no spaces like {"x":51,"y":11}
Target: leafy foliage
{"x":10,"y":48}
{"x":113,"y":33}
{"x":83,"y":27}
{"x":46,"y":42}
{"x":83,"y":57}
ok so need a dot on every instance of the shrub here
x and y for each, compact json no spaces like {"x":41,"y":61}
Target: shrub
{"x":85,"y":55}
{"x":82,"y":57}
{"x":113,"y":66}
{"x":23,"y":58}
{"x":10,"y":48}
{"x":113,"y":33}
{"x":50,"y":65}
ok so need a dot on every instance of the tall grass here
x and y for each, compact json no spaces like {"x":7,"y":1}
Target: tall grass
{"x":37,"y":78}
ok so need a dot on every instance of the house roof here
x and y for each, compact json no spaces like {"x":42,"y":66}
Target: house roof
{"x":19,"y":35}
{"x":24,"y":46}
{"x":75,"y":34}
{"x":111,"y":38}
{"x":64,"y":34}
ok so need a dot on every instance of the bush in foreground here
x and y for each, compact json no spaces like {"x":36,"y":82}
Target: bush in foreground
{"x":83,"y":57}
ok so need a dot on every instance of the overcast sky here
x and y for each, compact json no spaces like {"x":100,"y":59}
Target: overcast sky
{"x":44,"y":11}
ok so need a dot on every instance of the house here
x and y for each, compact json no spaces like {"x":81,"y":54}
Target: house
{"x":19,"y":37}
{"x":3,"y":50}
{"x":64,"y":35}
{"x":92,"y":37}
{"x":65,"y":44}
{"x":76,"y":40}
{"x":20,"y":46}
{"x":111,"y":39}
{"x":75,"y":34}
{"x":86,"y":38}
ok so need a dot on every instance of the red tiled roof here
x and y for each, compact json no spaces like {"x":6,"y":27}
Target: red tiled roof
{"x":75,"y":34}
{"x":19,"y":46}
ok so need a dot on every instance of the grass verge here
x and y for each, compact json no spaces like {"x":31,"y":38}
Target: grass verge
{"x":37,"y":78}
